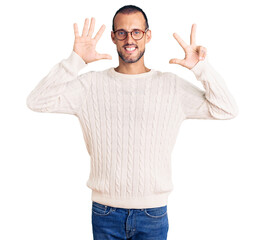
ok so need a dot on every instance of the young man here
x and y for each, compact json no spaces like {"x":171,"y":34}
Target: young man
{"x":130,"y":116}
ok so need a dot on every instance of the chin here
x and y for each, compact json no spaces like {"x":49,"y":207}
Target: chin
{"x":131,"y":60}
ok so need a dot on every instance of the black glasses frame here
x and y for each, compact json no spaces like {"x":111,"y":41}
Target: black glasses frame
{"x":130,"y":33}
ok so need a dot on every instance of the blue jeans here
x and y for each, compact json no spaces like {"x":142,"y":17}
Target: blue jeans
{"x":109,"y":223}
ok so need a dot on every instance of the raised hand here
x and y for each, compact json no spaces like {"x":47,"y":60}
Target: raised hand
{"x":193,"y":53}
{"x":85,"y":45}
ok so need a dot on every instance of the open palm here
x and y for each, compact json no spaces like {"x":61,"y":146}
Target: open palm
{"x":85,"y":45}
{"x":193,"y":53}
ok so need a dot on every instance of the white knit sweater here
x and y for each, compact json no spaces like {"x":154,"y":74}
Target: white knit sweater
{"x":130,"y":123}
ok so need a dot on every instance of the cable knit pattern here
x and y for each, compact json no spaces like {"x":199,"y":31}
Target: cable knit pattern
{"x":129,"y":180}
{"x":141,"y":166}
{"x":130,"y":123}
{"x":119,"y":139}
{"x":106,"y":90}
{"x":163,"y":165}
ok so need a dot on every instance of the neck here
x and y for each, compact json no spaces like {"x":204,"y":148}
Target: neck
{"x":132,"y":68}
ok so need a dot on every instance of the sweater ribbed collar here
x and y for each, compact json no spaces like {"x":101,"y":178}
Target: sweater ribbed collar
{"x":116,"y":74}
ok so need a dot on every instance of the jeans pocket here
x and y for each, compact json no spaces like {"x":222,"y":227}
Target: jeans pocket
{"x":100,"y":209}
{"x":156,"y":212}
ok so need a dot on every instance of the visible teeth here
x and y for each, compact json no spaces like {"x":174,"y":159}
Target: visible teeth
{"x":130,"y":49}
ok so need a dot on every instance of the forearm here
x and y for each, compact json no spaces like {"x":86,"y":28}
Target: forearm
{"x":220,"y":102}
{"x":46,"y":96}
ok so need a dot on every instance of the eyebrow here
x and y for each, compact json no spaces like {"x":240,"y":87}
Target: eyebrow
{"x":126,"y":30}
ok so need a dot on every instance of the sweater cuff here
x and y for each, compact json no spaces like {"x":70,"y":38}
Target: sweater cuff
{"x":74,"y":63}
{"x":200,"y":66}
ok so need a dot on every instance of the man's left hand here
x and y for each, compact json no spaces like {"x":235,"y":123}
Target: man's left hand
{"x":193,"y":53}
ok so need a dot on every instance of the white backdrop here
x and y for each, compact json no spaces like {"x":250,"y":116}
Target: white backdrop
{"x":218,"y":165}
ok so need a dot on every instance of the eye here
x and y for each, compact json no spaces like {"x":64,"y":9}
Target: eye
{"x":136,"y":32}
{"x":121,"y":33}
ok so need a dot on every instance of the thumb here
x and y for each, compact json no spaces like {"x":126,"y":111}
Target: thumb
{"x":104,"y":56}
{"x":176,"y":61}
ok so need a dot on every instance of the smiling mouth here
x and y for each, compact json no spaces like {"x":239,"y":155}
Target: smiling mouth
{"x":130,"y":49}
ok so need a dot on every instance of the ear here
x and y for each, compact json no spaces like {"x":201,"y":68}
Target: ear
{"x":113,"y":37}
{"x":148,"y":36}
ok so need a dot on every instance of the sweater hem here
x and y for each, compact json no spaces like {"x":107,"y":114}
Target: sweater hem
{"x":151,"y":201}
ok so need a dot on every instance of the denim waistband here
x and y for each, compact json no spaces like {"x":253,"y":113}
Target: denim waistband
{"x":104,"y":207}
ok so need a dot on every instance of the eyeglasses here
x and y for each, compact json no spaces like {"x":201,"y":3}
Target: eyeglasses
{"x":136,"y":34}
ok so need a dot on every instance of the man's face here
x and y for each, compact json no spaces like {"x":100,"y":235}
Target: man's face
{"x":129,"y":22}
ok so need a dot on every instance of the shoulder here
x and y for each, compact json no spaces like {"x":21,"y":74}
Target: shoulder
{"x":167,"y":76}
{"x":92,"y":74}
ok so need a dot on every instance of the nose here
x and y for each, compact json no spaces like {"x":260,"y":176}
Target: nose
{"x":129,"y":38}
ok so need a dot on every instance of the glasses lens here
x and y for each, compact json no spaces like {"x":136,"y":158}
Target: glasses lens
{"x":120,"y":34}
{"x":137,"y":34}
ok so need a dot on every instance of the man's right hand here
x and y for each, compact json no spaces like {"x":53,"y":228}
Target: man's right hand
{"x":85,"y":45}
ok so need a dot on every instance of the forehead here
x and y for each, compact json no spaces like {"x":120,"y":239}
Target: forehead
{"x":129,"y":21}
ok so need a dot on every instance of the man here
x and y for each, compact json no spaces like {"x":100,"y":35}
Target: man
{"x":130,"y":116}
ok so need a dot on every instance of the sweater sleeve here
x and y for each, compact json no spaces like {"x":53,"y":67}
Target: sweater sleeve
{"x":61,"y":90}
{"x":214,"y":102}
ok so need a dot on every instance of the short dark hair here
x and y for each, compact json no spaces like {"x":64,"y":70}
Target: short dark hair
{"x":127,"y":9}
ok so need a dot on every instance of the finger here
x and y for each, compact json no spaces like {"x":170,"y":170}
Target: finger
{"x":84,"y":32}
{"x":202,"y":53}
{"x":76,"y":30}
{"x":176,"y":61}
{"x":193,"y":34}
{"x":99,"y":33}
{"x":104,"y":56}
{"x":205,"y":54}
{"x":180,"y":41}
{"x":91,"y":28}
